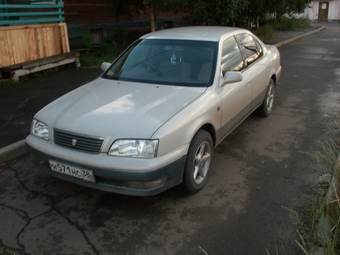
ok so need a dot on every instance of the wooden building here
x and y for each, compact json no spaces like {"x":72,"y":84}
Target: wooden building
{"x":97,"y":18}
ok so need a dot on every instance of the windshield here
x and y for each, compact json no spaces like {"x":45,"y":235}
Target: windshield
{"x":168,"y":62}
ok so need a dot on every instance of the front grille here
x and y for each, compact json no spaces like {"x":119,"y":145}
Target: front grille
{"x":78,"y":142}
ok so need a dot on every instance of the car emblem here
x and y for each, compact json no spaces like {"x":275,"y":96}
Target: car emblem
{"x":74,"y":142}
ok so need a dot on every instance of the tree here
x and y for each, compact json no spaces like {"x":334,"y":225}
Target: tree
{"x":212,"y":12}
{"x":289,"y":7}
{"x":215,"y":12}
{"x":133,"y":8}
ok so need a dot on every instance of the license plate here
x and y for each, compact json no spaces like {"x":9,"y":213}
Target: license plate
{"x":76,"y":172}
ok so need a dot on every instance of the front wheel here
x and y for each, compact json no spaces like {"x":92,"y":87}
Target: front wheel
{"x":267,"y":106}
{"x":198,"y":162}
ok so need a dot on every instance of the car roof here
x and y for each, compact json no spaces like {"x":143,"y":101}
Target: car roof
{"x":199,"y":33}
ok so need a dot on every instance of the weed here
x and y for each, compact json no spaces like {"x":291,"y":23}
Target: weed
{"x":23,"y":104}
{"x":118,"y":35}
{"x":319,"y":227}
{"x":86,"y":40}
{"x":8,"y":82}
{"x":103,"y":53}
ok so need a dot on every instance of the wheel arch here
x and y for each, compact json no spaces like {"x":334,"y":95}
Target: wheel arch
{"x":210,"y":129}
{"x":273,"y":77}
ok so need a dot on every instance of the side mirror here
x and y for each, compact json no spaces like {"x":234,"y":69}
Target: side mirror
{"x":105,"y":65}
{"x":231,"y":77}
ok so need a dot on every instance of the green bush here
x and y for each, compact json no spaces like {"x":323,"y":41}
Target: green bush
{"x":288,"y":23}
{"x":103,"y":53}
{"x":265,"y":32}
{"x":86,"y":41}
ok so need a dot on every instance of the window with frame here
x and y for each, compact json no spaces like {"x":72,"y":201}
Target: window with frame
{"x":250,"y":48}
{"x":231,"y":56}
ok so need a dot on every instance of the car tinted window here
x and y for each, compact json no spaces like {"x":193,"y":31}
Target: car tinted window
{"x":249,"y":48}
{"x":259,"y":48}
{"x":168,"y":62}
{"x":231,"y":56}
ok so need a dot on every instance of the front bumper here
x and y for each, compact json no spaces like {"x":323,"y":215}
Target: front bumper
{"x":108,"y":177}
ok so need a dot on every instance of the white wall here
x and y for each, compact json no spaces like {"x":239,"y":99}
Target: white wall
{"x":334,"y":10}
{"x":313,"y":12}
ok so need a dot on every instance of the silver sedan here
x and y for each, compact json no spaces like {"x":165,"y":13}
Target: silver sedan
{"x":153,"y":118}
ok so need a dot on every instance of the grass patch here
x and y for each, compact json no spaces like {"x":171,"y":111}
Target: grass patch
{"x":319,"y":227}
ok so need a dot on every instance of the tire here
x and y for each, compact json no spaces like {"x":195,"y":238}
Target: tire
{"x":267,"y":106}
{"x":198,"y":162}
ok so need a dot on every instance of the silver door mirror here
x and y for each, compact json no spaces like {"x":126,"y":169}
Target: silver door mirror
{"x":231,"y":77}
{"x":105,"y":65}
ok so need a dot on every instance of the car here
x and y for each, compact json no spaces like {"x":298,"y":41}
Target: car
{"x":151,"y":121}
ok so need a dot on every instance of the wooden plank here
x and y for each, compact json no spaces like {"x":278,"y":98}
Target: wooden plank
{"x":44,"y":42}
{"x":58,"y":41}
{"x":31,"y":44}
{"x":4,"y":60}
{"x":31,"y":14}
{"x":38,"y":42}
{"x":2,"y":47}
{"x":29,"y":26}
{"x":30,"y":21}
{"x":48,"y":60}
{"x":48,"y":41}
{"x":23,"y":45}
{"x":11,"y":48}
{"x":32,"y":6}
{"x":54,"y":49}
{"x":17,"y":56}
{"x":40,"y":64}
{"x":64,"y":38}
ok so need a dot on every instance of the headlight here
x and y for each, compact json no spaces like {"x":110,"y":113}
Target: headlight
{"x":134,"y":148}
{"x":39,"y":129}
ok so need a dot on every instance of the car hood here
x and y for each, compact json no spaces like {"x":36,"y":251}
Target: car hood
{"x":117,"y":109}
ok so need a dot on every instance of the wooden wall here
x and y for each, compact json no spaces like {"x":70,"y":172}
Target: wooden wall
{"x":24,"y":43}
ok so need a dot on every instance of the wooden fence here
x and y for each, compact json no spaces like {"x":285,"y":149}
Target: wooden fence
{"x":25,"y":43}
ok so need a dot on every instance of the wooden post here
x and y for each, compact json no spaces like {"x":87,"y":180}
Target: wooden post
{"x":152,"y":18}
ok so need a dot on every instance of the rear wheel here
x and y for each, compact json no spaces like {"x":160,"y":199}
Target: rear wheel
{"x":198,"y":162}
{"x":267,"y":106}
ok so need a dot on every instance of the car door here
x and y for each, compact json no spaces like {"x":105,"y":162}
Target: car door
{"x":256,"y":65}
{"x":235,"y":97}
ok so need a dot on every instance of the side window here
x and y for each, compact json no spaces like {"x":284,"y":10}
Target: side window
{"x":231,"y":56}
{"x":251,"y":51}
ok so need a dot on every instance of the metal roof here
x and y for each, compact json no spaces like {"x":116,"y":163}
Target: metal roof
{"x":205,"y":33}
